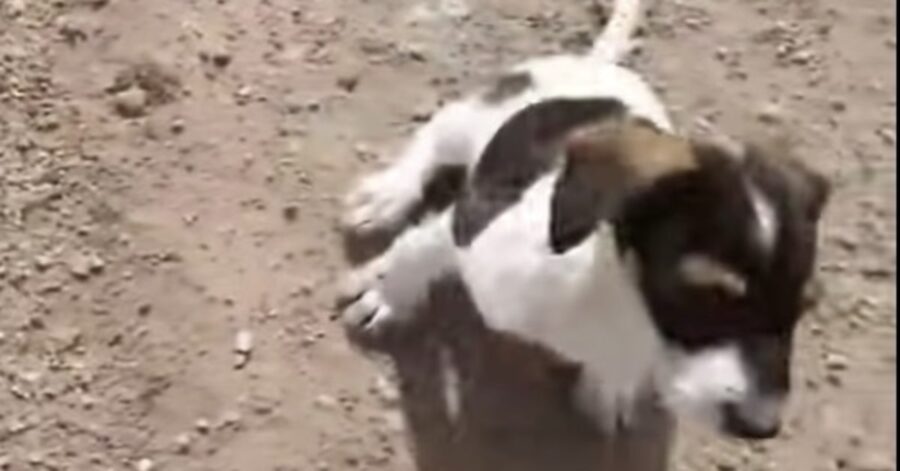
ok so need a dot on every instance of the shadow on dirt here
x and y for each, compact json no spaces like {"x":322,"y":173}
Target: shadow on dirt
{"x":474,"y":400}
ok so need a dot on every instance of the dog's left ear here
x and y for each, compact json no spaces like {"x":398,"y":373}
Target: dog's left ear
{"x":591,"y":183}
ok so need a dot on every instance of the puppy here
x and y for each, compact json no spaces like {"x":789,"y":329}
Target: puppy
{"x":660,"y":264}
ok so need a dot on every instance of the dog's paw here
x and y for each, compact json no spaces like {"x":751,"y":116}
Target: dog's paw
{"x":369,"y":318}
{"x":380,"y":203}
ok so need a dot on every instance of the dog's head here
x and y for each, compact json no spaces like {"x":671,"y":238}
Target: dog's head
{"x":722,"y":246}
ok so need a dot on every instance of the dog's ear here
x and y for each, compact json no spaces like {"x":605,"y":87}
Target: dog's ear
{"x":604,"y":164}
{"x":590,"y":182}
{"x":574,"y":208}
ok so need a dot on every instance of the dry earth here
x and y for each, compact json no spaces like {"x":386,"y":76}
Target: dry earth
{"x":170,"y":172}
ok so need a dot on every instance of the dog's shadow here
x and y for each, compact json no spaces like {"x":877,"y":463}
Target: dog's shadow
{"x":477,"y":400}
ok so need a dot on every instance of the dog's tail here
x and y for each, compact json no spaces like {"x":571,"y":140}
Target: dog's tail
{"x":615,"y":42}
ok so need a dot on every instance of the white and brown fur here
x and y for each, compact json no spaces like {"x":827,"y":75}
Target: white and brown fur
{"x":659,"y":264}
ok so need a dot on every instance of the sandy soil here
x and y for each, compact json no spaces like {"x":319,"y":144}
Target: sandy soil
{"x":170,"y":176}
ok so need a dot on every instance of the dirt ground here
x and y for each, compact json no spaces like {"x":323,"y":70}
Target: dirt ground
{"x":170,"y":177}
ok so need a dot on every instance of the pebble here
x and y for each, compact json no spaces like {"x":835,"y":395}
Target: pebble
{"x":348,"y":83}
{"x":230,"y":419}
{"x":887,"y":135}
{"x":130,"y":103}
{"x":326,"y":402}
{"x":145,"y":464}
{"x":243,"y":342}
{"x":771,"y":113}
{"x":183,"y":443}
{"x":202,"y":426}
{"x":836,"y":362}
{"x":83,"y":266}
{"x":386,"y":392}
{"x":290,"y":212}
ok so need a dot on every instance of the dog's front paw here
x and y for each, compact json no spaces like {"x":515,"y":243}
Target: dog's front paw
{"x":380,"y":203}
{"x":369,"y":319}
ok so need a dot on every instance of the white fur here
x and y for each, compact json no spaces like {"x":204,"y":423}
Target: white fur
{"x":766,"y":219}
{"x":702,"y":381}
{"x":583,"y":304}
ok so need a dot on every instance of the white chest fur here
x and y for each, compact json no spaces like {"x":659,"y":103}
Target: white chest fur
{"x":581,"y":303}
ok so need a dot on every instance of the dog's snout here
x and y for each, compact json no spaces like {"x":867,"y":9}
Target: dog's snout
{"x":755,"y":419}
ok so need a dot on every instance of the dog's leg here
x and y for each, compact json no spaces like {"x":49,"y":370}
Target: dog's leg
{"x":382,"y":201}
{"x":387,"y":290}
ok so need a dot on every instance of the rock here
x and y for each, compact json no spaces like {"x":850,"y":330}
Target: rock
{"x":386,"y":392}
{"x":183,"y":443}
{"x":836,"y":362}
{"x":82,"y":266}
{"x":230,"y":419}
{"x":145,"y":464}
{"x":14,"y":7}
{"x":221,"y":59}
{"x":130,"y":103}
{"x":290,"y":212}
{"x":348,"y":83}
{"x":326,"y":402}
{"x":243,"y":341}
{"x":43,"y":262}
{"x":202,"y":426}
{"x":771,"y":113}
{"x":887,"y":135}
{"x":177,"y":126}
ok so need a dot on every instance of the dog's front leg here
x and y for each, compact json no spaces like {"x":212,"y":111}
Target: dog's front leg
{"x":386,"y":291}
{"x":381,"y":201}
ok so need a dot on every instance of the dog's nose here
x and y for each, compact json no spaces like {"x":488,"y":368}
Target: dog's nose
{"x":750,"y":423}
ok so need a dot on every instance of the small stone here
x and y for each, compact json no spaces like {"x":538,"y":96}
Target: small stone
{"x":722,"y":53}
{"x":290,"y":212}
{"x":145,"y":464}
{"x":202,"y":426}
{"x":43,"y":262}
{"x":386,"y":392}
{"x":230,"y":419}
{"x":887,"y":135}
{"x":177,"y":126}
{"x":348,"y":83}
{"x":243,"y":342}
{"x":130,"y":103}
{"x":82,"y":266}
{"x":326,"y":402}
{"x":183,"y":443}
{"x":221,"y":59}
{"x":771,"y":113}
{"x":836,"y":362}
{"x":243,"y":346}
{"x":14,"y":7}
{"x":838,"y":106}
{"x":144,"y":309}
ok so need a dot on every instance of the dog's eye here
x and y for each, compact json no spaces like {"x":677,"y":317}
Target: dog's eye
{"x":700,"y":271}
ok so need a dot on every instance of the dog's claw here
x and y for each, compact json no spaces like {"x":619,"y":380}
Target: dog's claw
{"x":368,"y":317}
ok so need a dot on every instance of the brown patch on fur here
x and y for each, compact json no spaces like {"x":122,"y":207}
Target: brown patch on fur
{"x":607,"y":162}
{"x":630,"y":152}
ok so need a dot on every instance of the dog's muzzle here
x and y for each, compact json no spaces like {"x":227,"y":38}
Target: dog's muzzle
{"x":754,"y":419}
